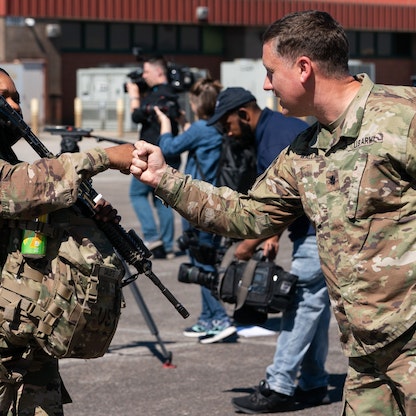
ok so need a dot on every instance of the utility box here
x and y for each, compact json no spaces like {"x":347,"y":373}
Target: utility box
{"x":100,"y":90}
{"x":248,"y":74}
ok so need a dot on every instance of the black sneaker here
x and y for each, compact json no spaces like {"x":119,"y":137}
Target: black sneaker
{"x":158,"y":250}
{"x":313,"y":397}
{"x":263,"y":400}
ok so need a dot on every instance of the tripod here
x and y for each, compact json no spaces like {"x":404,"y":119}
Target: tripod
{"x":167,"y":355}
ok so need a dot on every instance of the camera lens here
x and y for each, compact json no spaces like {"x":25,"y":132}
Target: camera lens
{"x":189,"y":273}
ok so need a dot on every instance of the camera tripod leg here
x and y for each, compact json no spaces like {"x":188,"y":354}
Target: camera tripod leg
{"x":150,"y":322}
{"x":167,"y":355}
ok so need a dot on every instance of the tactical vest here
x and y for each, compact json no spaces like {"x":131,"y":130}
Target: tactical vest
{"x":69,"y":301}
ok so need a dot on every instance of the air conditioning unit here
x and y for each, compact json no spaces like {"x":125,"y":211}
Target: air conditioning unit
{"x":357,"y":67}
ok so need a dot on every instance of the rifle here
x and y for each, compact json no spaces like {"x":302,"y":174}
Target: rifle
{"x":128,"y":244}
{"x":77,"y":133}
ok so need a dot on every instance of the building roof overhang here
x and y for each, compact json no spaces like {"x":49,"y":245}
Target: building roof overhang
{"x":388,"y":15}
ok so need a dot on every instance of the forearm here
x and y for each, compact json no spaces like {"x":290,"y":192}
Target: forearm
{"x":134,"y":103}
{"x":268,"y":209}
{"x":219,"y":210}
{"x":47,"y":184}
{"x":165,"y":126}
{"x":134,"y":95}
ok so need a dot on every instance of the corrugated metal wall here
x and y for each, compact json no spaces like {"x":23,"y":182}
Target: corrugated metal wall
{"x":397,"y":15}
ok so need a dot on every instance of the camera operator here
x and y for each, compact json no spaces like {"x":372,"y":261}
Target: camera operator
{"x":159,"y":93}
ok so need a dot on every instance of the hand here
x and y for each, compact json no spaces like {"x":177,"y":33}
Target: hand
{"x":133,"y":90}
{"x":182,"y":121}
{"x":271,"y":247}
{"x":120,"y":157}
{"x":165,"y":124}
{"x":105,"y":212}
{"x":245,"y":250}
{"x":148,"y":163}
{"x":160,"y":114}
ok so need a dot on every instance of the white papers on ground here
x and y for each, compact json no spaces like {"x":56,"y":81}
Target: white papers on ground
{"x":254,"y":331}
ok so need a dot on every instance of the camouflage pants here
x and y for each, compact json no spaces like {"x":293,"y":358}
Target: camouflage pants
{"x":33,"y":386}
{"x":383,"y":383}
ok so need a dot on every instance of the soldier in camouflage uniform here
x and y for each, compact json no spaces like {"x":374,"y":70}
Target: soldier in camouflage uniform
{"x":30,"y":383}
{"x":353,"y":173}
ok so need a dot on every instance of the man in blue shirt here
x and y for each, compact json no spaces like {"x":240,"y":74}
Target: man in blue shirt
{"x":303,"y":341}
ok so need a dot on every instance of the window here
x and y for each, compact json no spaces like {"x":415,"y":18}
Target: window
{"x":119,"y":37}
{"x":95,"y":36}
{"x":143,"y":37}
{"x":402,"y":44}
{"x":352,"y":40}
{"x":384,"y":44}
{"x":146,"y":38}
{"x":166,"y":38}
{"x":380,"y":44}
{"x":70,"y":35}
{"x":367,"y":44}
{"x":189,"y":39}
{"x":212,"y":40}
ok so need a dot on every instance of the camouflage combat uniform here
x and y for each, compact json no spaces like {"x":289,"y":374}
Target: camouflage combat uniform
{"x":30,"y":383}
{"x":356,"y":181}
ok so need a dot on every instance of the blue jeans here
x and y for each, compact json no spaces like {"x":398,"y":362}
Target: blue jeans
{"x":303,"y":341}
{"x":139,"y":197}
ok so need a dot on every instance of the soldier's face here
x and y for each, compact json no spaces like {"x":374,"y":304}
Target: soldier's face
{"x":8,"y":91}
{"x":283,"y":78}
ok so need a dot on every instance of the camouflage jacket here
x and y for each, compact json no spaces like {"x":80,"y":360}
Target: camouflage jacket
{"x":357,"y":184}
{"x":28,"y":190}
{"x":69,"y":301}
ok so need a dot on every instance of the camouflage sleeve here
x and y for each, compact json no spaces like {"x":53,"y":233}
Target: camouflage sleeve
{"x":411,"y":149}
{"x":267,"y":210}
{"x":30,"y":189}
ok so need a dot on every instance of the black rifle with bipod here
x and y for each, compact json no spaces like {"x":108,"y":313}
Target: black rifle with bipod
{"x":128,"y":244}
{"x":72,"y":135}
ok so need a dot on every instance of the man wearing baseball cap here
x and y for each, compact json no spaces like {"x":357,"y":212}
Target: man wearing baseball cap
{"x":230,"y":99}
{"x":241,"y":117}
{"x":303,"y":341}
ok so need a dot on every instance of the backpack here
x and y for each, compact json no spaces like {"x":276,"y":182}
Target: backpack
{"x":69,"y":301}
{"x":237,"y":166}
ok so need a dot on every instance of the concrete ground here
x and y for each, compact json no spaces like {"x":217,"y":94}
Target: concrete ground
{"x":133,"y":378}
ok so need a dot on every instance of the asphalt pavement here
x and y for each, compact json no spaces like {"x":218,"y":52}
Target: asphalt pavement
{"x":151,"y":368}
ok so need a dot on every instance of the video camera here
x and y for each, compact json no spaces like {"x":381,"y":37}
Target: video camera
{"x":167,"y":105}
{"x":136,"y":77}
{"x":257,"y":287}
{"x":181,"y":78}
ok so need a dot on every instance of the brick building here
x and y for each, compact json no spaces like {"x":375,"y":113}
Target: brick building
{"x":66,"y":35}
